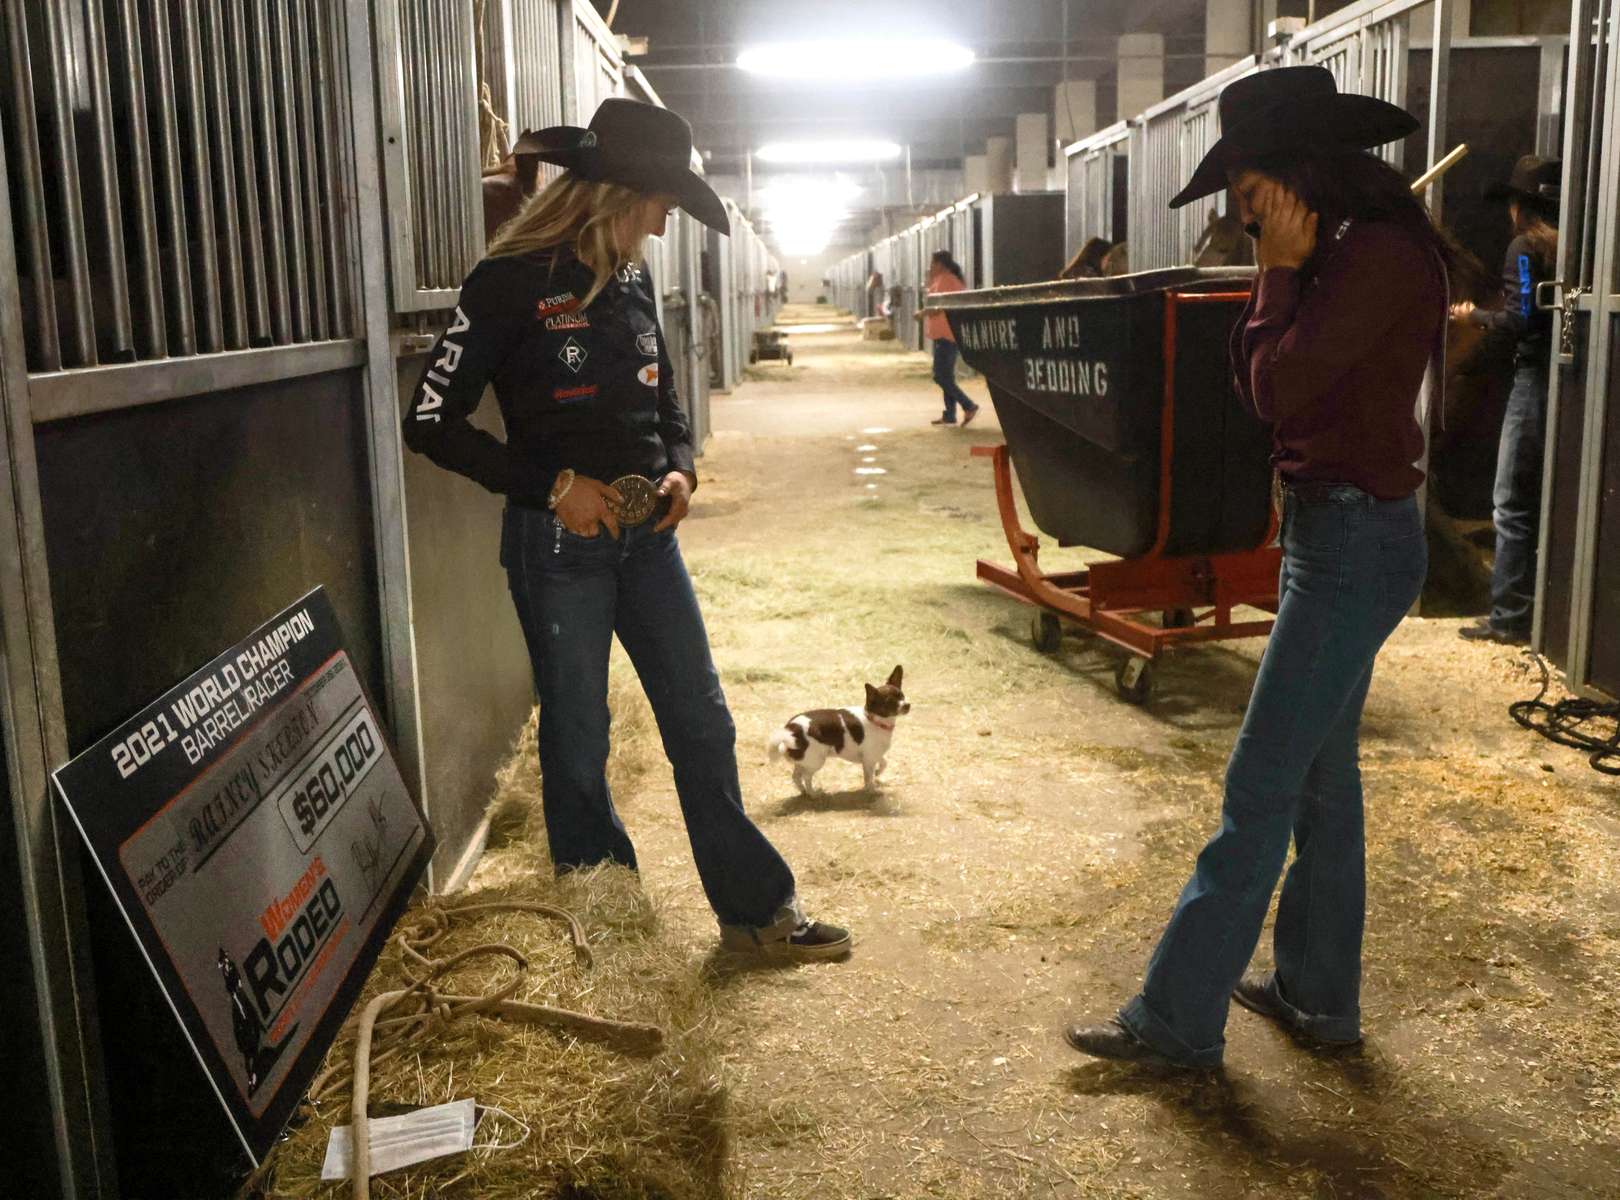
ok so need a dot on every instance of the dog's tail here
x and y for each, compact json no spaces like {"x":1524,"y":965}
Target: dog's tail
{"x":783,"y":740}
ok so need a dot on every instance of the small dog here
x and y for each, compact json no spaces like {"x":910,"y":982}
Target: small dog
{"x":857,"y":735}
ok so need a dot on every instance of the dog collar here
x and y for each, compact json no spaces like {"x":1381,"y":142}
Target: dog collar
{"x":879,"y":721}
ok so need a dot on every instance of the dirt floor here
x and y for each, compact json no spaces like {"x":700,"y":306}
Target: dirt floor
{"x":1033,"y":831}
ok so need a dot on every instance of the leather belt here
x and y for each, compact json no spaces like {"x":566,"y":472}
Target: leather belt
{"x":1309,"y":491}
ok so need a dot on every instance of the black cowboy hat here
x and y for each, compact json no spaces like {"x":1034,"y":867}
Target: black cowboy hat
{"x":1287,"y":108}
{"x":639,"y":145}
{"x":1534,"y":178}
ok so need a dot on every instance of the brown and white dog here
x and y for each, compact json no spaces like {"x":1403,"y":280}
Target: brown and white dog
{"x":858,"y":735}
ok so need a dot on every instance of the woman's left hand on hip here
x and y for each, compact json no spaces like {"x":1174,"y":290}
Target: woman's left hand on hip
{"x":678,"y":487}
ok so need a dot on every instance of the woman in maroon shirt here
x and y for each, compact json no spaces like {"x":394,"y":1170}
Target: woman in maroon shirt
{"x":1347,"y":314}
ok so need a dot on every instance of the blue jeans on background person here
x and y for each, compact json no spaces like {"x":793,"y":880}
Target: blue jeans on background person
{"x":1517,"y":502}
{"x":945,"y":375}
{"x":572,"y":595}
{"x":1352,"y":568}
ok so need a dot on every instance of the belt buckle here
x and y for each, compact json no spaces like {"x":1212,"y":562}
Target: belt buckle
{"x":639,"y":498}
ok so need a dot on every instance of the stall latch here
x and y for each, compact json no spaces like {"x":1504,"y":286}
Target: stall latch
{"x":1553,"y":296}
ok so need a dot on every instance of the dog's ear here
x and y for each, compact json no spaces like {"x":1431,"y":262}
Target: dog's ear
{"x":894,"y":678}
{"x":872,"y":695}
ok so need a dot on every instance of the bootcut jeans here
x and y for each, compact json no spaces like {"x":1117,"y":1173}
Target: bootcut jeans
{"x":945,"y":353}
{"x":1352,"y":568}
{"x":573,"y":594}
{"x":1516,"y":501}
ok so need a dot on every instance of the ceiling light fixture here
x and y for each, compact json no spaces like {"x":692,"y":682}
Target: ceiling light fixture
{"x":802,"y":215}
{"x":843,"y":151}
{"x":856,"y":60}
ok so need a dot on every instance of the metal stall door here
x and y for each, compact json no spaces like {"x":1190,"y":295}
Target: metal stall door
{"x":1577,"y":621}
{"x":529,"y":71}
{"x":1155,"y":176}
{"x":1199,"y":129}
{"x":674,"y":312}
{"x":592,"y":67}
{"x":723,"y":370}
{"x":693,"y":375}
{"x":429,"y":117}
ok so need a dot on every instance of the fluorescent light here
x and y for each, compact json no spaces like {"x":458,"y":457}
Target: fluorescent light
{"x":804,"y":213}
{"x":873,"y":60}
{"x":854,"y":150}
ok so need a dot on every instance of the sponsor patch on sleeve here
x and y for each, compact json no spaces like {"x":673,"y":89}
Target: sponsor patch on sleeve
{"x":583,"y":392}
{"x":570,"y":320}
{"x":647,"y":343}
{"x":649,"y":375}
{"x":563,"y":302}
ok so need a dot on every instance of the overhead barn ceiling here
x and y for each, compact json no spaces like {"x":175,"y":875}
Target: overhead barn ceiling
{"x":1021,"y":45}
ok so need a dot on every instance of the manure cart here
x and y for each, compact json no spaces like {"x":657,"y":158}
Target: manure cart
{"x":1120,"y":419}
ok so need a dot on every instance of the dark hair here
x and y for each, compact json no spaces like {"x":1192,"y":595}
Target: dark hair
{"x":944,"y":259}
{"x":1536,"y":221}
{"x":1342,"y":184}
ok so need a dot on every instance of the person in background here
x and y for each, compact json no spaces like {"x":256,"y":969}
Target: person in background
{"x":1346,"y":317}
{"x":875,"y":290}
{"x":597,"y":471}
{"x":944,"y":276}
{"x":1532,"y":199}
{"x":1088,"y":261}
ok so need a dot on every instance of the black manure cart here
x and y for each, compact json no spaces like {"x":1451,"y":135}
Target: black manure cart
{"x":1127,"y":436}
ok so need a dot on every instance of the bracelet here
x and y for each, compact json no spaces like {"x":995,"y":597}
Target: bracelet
{"x":560,"y":488}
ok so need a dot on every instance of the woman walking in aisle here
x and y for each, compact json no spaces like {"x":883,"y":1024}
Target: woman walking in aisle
{"x":944,"y":276}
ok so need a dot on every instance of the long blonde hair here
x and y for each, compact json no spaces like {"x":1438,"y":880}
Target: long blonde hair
{"x":575,"y":212}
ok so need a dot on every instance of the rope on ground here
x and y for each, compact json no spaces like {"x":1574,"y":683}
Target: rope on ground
{"x":433,"y":1011}
{"x":1567,"y":722}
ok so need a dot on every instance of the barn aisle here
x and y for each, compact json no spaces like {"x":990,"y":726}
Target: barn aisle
{"x":1034,"y":830}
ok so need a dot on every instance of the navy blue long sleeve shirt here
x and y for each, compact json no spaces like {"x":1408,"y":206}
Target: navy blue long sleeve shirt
{"x":586,"y":388}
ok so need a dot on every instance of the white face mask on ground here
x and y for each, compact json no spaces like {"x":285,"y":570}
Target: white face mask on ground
{"x":404,"y":1140}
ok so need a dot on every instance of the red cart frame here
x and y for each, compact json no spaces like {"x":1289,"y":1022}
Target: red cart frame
{"x":1196,"y":595}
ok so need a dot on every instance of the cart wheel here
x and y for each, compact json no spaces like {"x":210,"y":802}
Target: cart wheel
{"x":790,"y":358}
{"x":1046,"y":631}
{"x":1134,"y":678}
{"x":1178,"y":618}
{"x":753,"y":357}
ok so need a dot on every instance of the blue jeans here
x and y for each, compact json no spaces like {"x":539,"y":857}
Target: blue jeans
{"x":945,"y":375}
{"x":572,"y":595}
{"x":1517,"y":501}
{"x":1352,"y":567}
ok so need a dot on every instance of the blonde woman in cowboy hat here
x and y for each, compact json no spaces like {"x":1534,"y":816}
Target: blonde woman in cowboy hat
{"x":597,"y":471}
{"x":1348,"y":311}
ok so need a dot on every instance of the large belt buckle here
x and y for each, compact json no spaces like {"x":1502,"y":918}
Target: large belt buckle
{"x":638,"y":497}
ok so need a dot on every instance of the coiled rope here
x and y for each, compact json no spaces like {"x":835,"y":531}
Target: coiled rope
{"x":394,"y":1021}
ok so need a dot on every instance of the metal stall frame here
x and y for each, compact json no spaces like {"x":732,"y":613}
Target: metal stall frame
{"x":1166,"y":142}
{"x":435,"y":229}
{"x":592,"y":67}
{"x":1586,"y":293}
{"x":35,"y":740}
{"x":1088,"y":194}
{"x":1365,"y":46}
